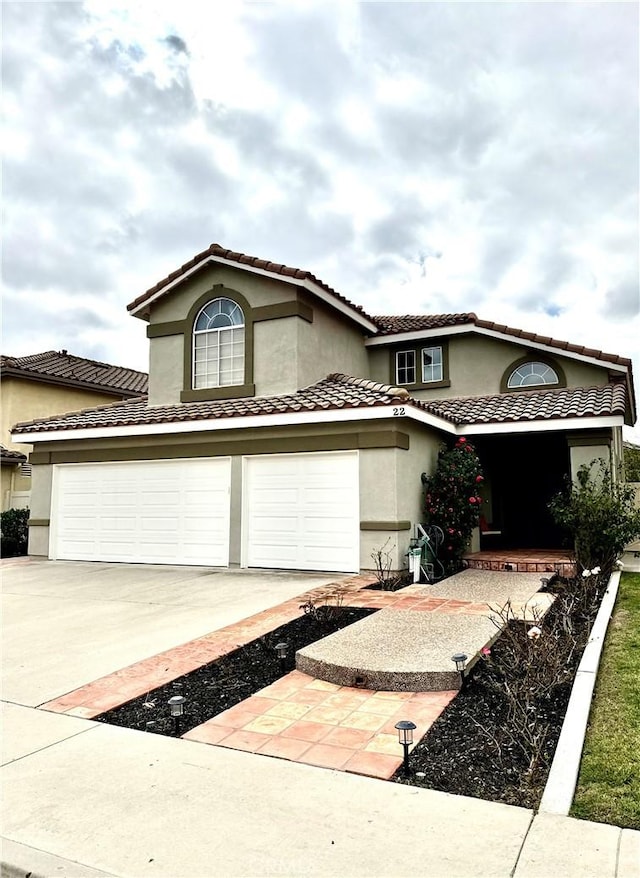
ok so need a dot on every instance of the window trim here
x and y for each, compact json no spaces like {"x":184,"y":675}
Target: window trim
{"x":420,"y":383}
{"x":227,"y":391}
{"x":532,"y":357}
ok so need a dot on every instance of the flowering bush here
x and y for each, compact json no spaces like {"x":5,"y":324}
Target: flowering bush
{"x":452,"y":500}
{"x":600,"y":516}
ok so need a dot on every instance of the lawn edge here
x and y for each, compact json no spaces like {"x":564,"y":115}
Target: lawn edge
{"x":563,"y":775}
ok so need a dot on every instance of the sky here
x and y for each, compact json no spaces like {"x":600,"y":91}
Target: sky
{"x":417,"y":157}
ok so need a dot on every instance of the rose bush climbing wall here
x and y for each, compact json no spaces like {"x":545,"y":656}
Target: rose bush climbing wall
{"x":452,"y":498}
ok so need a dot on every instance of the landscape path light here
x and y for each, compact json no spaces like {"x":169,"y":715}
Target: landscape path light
{"x":460,"y":659}
{"x":405,"y":736}
{"x":176,"y":706}
{"x":282,"y":649}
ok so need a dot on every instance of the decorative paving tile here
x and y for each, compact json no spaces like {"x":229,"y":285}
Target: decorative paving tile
{"x":327,"y":756}
{"x":268,"y":724}
{"x":307,"y":731}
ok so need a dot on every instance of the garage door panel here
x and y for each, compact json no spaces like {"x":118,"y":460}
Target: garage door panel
{"x":145,"y":511}
{"x":302,"y":511}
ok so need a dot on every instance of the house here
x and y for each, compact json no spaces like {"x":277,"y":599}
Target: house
{"x":286,"y":428}
{"x":51,"y":383}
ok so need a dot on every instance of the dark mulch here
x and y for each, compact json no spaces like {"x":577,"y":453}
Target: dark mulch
{"x":223,"y":683}
{"x":467,"y":750}
{"x":394,"y":583}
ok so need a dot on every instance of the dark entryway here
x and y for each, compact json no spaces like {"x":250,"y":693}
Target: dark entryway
{"x":522,"y":475}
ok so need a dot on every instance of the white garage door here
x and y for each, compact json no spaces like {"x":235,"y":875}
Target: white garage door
{"x":162,"y":512}
{"x":301,"y":511}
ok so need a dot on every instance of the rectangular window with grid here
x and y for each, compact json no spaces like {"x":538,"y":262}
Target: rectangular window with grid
{"x":432,"y":364}
{"x":406,"y":367}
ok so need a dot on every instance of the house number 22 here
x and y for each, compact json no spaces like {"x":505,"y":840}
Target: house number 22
{"x":398,"y":411}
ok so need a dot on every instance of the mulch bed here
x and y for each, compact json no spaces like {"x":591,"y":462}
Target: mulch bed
{"x":227,"y":681}
{"x":467,"y":750}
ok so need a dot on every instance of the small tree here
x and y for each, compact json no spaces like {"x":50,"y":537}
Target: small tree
{"x":600,"y":516}
{"x":451,"y":498}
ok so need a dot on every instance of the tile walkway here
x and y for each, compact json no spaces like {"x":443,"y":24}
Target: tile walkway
{"x":308,"y":720}
{"x":298,"y":717}
{"x":137,"y":679}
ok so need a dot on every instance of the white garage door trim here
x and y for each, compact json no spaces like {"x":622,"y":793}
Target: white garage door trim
{"x":149,"y":512}
{"x":301,"y":511}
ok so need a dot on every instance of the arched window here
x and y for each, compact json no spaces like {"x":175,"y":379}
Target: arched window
{"x":532,"y":374}
{"x":218,"y":345}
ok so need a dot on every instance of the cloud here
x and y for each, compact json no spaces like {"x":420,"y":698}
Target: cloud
{"x":444,"y":156}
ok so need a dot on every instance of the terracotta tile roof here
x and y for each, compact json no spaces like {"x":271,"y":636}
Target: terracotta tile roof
{"x":390,"y":325}
{"x":393,"y":325}
{"x":336,"y":391}
{"x":532,"y":405}
{"x":217,"y":250}
{"x":60,"y":367}
{"x":339,"y":391}
{"x":8,"y":456}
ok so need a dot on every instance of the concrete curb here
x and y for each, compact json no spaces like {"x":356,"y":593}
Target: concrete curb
{"x":23,"y":861}
{"x":561,"y":783}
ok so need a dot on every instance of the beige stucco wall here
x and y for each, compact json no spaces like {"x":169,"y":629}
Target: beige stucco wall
{"x":390,"y":487}
{"x":584,"y":454}
{"x":288,"y":352}
{"x":24,"y":400}
{"x":329,"y":344}
{"x":166,"y":370}
{"x":257,"y":290}
{"x":275,"y":346}
{"x":477,"y":365}
{"x":6,"y":481}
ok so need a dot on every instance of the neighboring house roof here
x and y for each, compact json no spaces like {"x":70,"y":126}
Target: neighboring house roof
{"x":340,"y":392}
{"x":217,"y":253}
{"x":396,"y":325}
{"x":11,"y":458}
{"x":62,"y":368}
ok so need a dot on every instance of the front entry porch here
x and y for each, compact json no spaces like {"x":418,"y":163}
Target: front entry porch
{"x":542,"y":561}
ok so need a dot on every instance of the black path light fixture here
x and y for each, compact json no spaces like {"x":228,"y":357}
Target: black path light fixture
{"x":282,"y":649}
{"x":405,"y":736}
{"x":460,"y":660}
{"x":176,"y":706}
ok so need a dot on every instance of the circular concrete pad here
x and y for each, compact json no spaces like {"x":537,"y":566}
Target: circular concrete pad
{"x":398,"y":650}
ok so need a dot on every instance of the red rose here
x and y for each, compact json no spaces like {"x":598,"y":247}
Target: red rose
{"x":472,"y":500}
{"x":479,"y":479}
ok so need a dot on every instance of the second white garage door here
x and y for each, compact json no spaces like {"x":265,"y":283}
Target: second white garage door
{"x":155,"y":512}
{"x":302,"y":511}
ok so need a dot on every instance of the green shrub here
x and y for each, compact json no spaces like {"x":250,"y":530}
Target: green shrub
{"x":14,"y":532}
{"x":600,"y":516}
{"x":632,"y":463}
{"x":452,"y":501}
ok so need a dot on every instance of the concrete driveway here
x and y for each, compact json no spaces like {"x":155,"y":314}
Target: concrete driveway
{"x":66,"y":623}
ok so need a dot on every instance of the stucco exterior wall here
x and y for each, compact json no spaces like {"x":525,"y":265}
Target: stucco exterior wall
{"x":6,"y":480}
{"x":166,"y":370}
{"x":584,"y":454}
{"x":392,"y":454}
{"x":275,"y":350}
{"x":327,"y":345}
{"x":24,"y":400}
{"x":40,"y":510}
{"x":288,"y":352}
{"x":477,"y":365}
{"x":256,"y":289}
{"x":391,"y":491}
